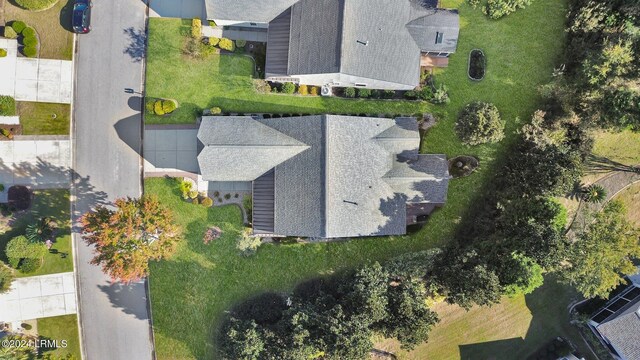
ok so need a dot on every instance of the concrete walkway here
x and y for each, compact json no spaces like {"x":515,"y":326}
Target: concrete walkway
{"x":613,"y":183}
{"x":257,"y":35}
{"x":39,"y":297}
{"x":40,"y":162}
{"x":29,"y":79}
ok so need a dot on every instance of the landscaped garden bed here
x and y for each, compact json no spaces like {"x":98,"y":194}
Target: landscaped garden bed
{"x":477,"y":65}
{"x":461,"y":166}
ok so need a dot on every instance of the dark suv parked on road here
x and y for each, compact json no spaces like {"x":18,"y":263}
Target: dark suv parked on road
{"x":81,"y":19}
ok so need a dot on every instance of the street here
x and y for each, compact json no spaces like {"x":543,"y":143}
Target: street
{"x":106,"y":134}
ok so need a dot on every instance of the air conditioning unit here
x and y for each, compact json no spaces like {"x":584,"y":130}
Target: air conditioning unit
{"x":326,"y":91}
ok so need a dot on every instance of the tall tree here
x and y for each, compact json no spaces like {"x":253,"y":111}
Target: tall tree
{"x":601,"y":255}
{"x":128,"y":237}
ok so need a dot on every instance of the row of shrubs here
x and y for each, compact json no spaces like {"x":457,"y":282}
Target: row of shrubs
{"x":496,"y":9}
{"x":28,"y":37}
{"x":161,"y":106}
{"x":221,"y":43}
{"x":188,"y":193}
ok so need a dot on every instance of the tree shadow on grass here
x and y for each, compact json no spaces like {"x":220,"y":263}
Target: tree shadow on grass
{"x":601,"y":164}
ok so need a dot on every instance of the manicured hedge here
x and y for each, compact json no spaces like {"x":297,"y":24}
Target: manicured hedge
{"x":288,"y":88}
{"x":30,"y":51}
{"x":3,"y":53}
{"x":157,"y":108}
{"x":18,"y":26}
{"x":169,"y":106}
{"x":36,"y":5}
{"x":196,"y":28}
{"x":303,"y":90}
{"x":227,"y":44}
{"x":9,"y":33}
{"x":30,"y":41}
{"x":161,"y":107}
{"x":214,"y":41}
{"x":29,"y":32}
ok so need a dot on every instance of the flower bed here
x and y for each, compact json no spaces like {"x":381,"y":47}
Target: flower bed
{"x":477,"y":65}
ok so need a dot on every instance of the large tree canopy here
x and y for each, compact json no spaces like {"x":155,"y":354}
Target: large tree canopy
{"x":128,"y":237}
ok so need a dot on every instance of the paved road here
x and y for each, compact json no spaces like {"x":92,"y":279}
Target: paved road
{"x":114,"y":319}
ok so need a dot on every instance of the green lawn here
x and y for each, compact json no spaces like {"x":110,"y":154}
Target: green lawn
{"x":61,"y":328}
{"x":38,"y":118}
{"x":55,"y":204}
{"x":201,"y":282}
{"x":53,"y":27}
{"x":620,"y":146}
{"x":513,"y":329}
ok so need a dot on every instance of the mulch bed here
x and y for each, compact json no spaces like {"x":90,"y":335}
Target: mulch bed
{"x":462,"y":166}
{"x":477,"y":65}
{"x":13,"y":129}
{"x":19,"y":197}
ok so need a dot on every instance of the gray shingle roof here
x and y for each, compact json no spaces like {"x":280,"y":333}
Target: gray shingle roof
{"x":246,"y":10}
{"x":344,"y":183}
{"x":425,"y":29}
{"x":623,"y":331}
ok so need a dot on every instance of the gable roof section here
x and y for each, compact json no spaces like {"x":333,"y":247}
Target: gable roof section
{"x":246,"y":10}
{"x":424,"y":180}
{"x":437,"y":23}
{"x":623,"y":330}
{"x":238,"y":148}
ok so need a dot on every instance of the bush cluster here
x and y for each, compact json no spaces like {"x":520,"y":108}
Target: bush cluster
{"x":364,"y":93}
{"x":20,"y":249}
{"x":350,"y":92}
{"x":496,"y":9}
{"x":9,"y":32}
{"x":196,"y":28}
{"x":480,"y":123}
{"x":18,"y":26}
{"x":161,"y":106}
{"x":36,"y":5}
{"x":29,"y":37}
{"x":227,"y":44}
{"x":29,"y":32}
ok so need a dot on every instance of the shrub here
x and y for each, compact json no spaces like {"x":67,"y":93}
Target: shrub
{"x":248,"y":244}
{"x":480,"y":123}
{"x":30,"y":265}
{"x":196,"y":28}
{"x":241,"y":43}
{"x":227,"y":196}
{"x":7,"y":106}
{"x":18,"y":26}
{"x":227,"y":44}
{"x":207,"y":202}
{"x":36,"y":5}
{"x":6,"y":133}
{"x":314,"y":91}
{"x":594,"y":193}
{"x":411,"y":95}
{"x":441,"y":95}
{"x":185,"y":188}
{"x":215,"y":111}
{"x":169,"y":106}
{"x":149,"y":105}
{"x":303,"y":90}
{"x":193,"y":194}
{"x":157,"y":108}
{"x":6,"y":277}
{"x":288,"y":88}
{"x":364,"y":93}
{"x":30,"y":51}
{"x":350,"y":92}
{"x":195,"y":201}
{"x":39,"y":231}
{"x":30,"y":41}
{"x":247,"y":204}
{"x":214,"y":41}
{"x":9,"y":32}
{"x":388,"y":94}
{"x":29,"y":32}
{"x":20,"y":248}
{"x":496,"y":9}
{"x":235,"y":196}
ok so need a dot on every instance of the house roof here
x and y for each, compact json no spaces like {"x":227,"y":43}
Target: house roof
{"x":341,"y":182}
{"x":246,"y":10}
{"x":363,"y":38}
{"x":622,"y":330}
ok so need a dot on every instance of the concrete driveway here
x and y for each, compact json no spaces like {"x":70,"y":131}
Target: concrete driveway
{"x":28,"y":79}
{"x":107,"y":140}
{"x":170,"y":149}
{"x":184,"y":9}
{"x":39,"y":297}
{"x":40,"y":162}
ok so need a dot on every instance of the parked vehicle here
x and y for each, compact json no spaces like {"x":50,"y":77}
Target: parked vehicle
{"x":81,"y":18}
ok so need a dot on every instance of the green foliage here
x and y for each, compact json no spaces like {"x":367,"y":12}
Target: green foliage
{"x":214,"y":41}
{"x":227,"y":44}
{"x":525,"y":276}
{"x":6,"y":278}
{"x":9,"y":32}
{"x":185,"y":188}
{"x":30,"y":51}
{"x":288,"y":88}
{"x":20,"y":248}
{"x":314,"y":91}
{"x":30,"y":41}
{"x":303,"y":90}
{"x":207,"y":202}
{"x":18,"y":26}
{"x":350,"y":92}
{"x":149,"y":105}
{"x":247,"y":204}
{"x":621,"y":109}
{"x":158,"y":108}
{"x":39,"y":231}
{"x":241,"y":43}
{"x":597,"y":261}
{"x":169,"y":106}
{"x":248,"y":244}
{"x":7,"y":106}
{"x":3,"y":53}
{"x":441,"y":95}
{"x":496,"y":9}
{"x":196,"y":28}
{"x":594,"y":193}
{"x":29,"y":32}
{"x":480,"y":123}
{"x":28,"y":266}
{"x":243,"y":341}
{"x":215,"y":111}
{"x":364,"y":93}
{"x":36,"y":5}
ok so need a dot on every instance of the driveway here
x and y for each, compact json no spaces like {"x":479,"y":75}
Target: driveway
{"x":107,"y":131}
{"x":39,"y":297}
{"x":40,"y":162}
{"x":27,"y":79}
{"x":184,"y":9}
{"x":170,"y":149}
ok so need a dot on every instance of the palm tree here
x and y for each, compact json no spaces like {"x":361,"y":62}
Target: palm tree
{"x":594,"y":193}
{"x":39,"y":231}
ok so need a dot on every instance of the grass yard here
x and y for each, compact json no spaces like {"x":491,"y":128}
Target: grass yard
{"x":37,"y":118}
{"x":513,"y":329}
{"x":630,"y":197}
{"x":55,"y":204}
{"x":61,"y":328}
{"x":620,"y":146}
{"x":201,"y":282}
{"x":53,"y":27}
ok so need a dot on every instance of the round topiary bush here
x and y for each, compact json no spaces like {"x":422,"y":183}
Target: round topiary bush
{"x":350,"y":92}
{"x":30,"y":265}
{"x":207,"y":202}
{"x":169,"y":106}
{"x":18,"y":26}
{"x":9,"y":33}
{"x":157,"y":107}
{"x":29,"y":32}
{"x":288,"y":88}
{"x":480,"y":123}
{"x":3,"y":53}
{"x":36,"y":5}
{"x":30,"y":41}
{"x":30,"y":51}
